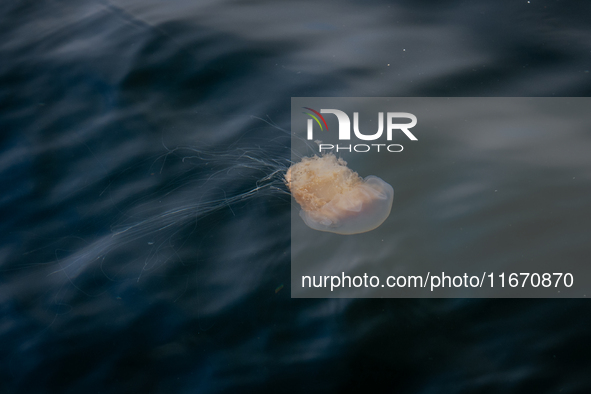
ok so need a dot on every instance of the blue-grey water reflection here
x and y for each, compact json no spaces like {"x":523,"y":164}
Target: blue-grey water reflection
{"x":124,"y":122}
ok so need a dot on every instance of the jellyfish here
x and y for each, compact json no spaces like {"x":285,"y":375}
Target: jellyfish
{"x":203,"y":180}
{"x":336,"y":199}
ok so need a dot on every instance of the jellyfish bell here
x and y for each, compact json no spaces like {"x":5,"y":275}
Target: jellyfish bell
{"x":336,"y":199}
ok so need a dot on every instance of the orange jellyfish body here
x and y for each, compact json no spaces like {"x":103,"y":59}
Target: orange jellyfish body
{"x":335,"y":199}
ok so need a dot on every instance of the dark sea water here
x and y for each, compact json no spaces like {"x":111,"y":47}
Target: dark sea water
{"x":145,"y":230}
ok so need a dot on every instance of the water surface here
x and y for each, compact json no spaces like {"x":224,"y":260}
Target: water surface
{"x":97,"y":96}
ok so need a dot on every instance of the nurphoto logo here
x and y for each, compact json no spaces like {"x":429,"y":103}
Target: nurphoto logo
{"x":345,"y":130}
